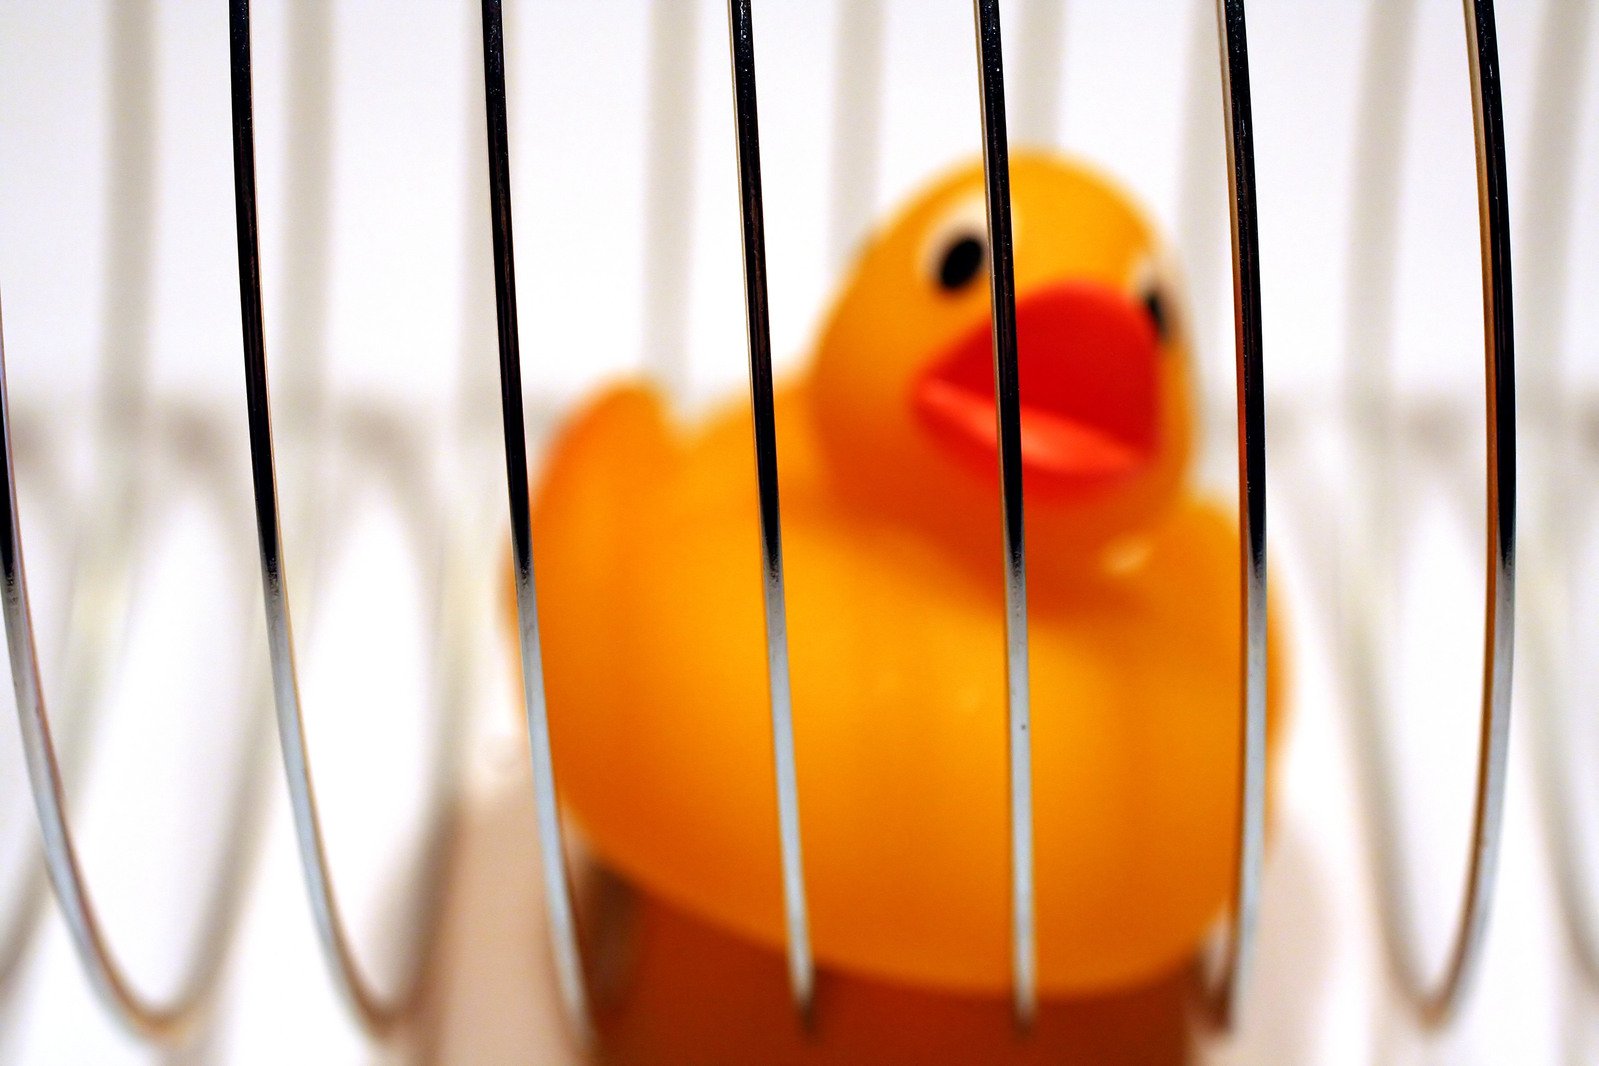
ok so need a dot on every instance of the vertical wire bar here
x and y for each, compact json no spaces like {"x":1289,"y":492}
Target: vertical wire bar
{"x":1435,"y":1004}
{"x":308,"y":235}
{"x":801,"y":968}
{"x":1493,"y":204}
{"x":1199,"y":229}
{"x":103,"y":565}
{"x":307,"y":258}
{"x":557,"y":885}
{"x":1002,"y":292}
{"x":378,"y":1015}
{"x":857,"y":124}
{"x":477,"y":426}
{"x":168,"y":1023}
{"x":1224,"y":1000}
{"x":1197,"y":192}
{"x":669,"y":201}
{"x":1385,"y":88}
{"x":132,"y":225}
{"x":1038,"y":104}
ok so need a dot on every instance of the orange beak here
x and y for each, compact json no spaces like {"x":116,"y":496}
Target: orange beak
{"x":1088,"y":361}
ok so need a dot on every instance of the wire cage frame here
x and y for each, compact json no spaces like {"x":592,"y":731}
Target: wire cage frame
{"x":1218,"y":995}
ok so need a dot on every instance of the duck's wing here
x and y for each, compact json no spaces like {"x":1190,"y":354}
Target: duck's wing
{"x":598,"y":472}
{"x":599,"y":478}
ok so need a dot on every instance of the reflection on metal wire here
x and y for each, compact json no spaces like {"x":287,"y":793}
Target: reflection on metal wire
{"x":1222,"y":1001}
{"x":1434,"y":1004}
{"x":19,"y":918}
{"x":1007,"y":388}
{"x":101,"y":575}
{"x":171,"y":1021}
{"x":857,"y":132}
{"x":552,"y":852}
{"x":1199,"y":232}
{"x":741,"y":35}
{"x":669,"y":195}
{"x":379,"y":1015}
{"x":102,"y":564}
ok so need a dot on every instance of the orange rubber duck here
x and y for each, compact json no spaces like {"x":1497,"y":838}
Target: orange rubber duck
{"x":646,"y":547}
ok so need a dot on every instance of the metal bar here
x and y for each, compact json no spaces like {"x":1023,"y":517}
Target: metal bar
{"x":855,"y":162}
{"x":801,"y":969}
{"x":1223,"y":999}
{"x":1002,"y":289}
{"x":103,"y":564}
{"x":1493,"y":208}
{"x":1372,"y":420}
{"x":379,"y":1015}
{"x":557,"y":886}
{"x":1199,"y":228}
{"x":1435,"y":1003}
{"x":1039,"y":99}
{"x":176,"y":1020}
{"x":669,"y":201}
{"x":101,"y":580}
{"x":165,"y":1022}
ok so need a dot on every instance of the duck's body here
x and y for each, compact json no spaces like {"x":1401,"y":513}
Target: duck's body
{"x":650,"y":601}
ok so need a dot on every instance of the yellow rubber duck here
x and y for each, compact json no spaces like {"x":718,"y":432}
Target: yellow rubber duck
{"x":646,"y":548}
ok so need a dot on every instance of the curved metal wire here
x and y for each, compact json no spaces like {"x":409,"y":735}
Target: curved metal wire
{"x":669,"y":194}
{"x":102,"y":565}
{"x":102,"y":571}
{"x":1542,"y":648}
{"x":1007,"y":387}
{"x":801,"y":968}
{"x":167,"y":1022}
{"x":1199,"y":231}
{"x":1220,"y":1001}
{"x":19,"y":919}
{"x":1435,"y":1003}
{"x":381,"y":1016}
{"x":855,"y":148}
{"x":558,"y":901}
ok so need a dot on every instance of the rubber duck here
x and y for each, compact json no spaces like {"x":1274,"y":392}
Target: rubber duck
{"x":647,"y":568}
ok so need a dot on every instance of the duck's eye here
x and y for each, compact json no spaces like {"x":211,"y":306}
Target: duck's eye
{"x":1155,"y":308}
{"x":961,"y":262}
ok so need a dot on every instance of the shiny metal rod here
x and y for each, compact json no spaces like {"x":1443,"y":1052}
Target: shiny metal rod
{"x":801,"y":968}
{"x":1438,"y":1005}
{"x":103,"y":564}
{"x":1435,"y":1003}
{"x":557,"y":886}
{"x":1002,"y":290}
{"x":855,"y":164}
{"x":381,"y":1016}
{"x":1221,"y":1001}
{"x":171,"y":1022}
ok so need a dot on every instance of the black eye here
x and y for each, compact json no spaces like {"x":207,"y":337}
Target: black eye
{"x":1155,"y":307}
{"x":962,"y":260}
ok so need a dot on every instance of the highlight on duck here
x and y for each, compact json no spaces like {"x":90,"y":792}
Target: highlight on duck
{"x":647,"y":566}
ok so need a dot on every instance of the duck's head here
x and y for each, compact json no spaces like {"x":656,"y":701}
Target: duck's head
{"x":903,"y":385}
